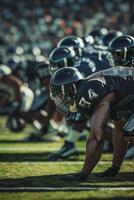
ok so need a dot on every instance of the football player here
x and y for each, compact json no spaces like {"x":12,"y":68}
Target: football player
{"x":110,"y":36}
{"x":87,"y":51}
{"x":103,"y":96}
{"x":62,"y":57}
{"x":15,"y":95}
{"x":122,"y":49}
{"x":43,"y":108}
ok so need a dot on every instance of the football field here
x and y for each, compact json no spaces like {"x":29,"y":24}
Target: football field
{"x":26,"y":174}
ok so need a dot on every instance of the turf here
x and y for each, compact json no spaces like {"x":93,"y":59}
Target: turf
{"x":25,"y":173}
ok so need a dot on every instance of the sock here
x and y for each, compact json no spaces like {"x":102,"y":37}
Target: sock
{"x":85,"y":132}
{"x":73,"y":136}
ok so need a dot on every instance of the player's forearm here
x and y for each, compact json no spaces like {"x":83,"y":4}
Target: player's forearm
{"x":120,"y":148}
{"x":93,"y":154}
{"x":16,"y":83}
{"x":94,"y":146}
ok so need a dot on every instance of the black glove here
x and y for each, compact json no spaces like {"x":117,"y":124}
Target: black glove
{"x":75,"y":177}
{"x":110,"y":172}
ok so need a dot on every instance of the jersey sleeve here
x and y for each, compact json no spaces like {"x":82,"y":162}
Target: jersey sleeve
{"x":89,"y":95}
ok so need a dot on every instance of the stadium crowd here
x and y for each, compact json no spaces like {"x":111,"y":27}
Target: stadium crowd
{"x":43,"y":23}
{"x":43,"y":37}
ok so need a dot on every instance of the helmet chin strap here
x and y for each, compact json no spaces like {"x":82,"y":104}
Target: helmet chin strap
{"x":132,"y":61}
{"x":65,"y":62}
{"x":73,"y":107}
{"x":126,"y":63}
{"x":125,"y":56}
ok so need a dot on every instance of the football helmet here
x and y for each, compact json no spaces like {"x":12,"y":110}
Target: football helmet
{"x":63,"y":88}
{"x":122,"y":49}
{"x":61,"y":57}
{"x":42,"y":69}
{"x":15,"y":123}
{"x":88,"y":40}
{"x":110,"y":36}
{"x":98,"y":34}
{"x":73,"y":41}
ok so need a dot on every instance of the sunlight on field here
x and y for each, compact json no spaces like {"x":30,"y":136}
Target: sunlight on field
{"x":25,"y":173}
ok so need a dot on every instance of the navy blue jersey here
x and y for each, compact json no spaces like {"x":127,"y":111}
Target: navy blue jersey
{"x":92,"y":91}
{"x":76,"y":117}
{"x":88,"y":66}
{"x":102,"y":55}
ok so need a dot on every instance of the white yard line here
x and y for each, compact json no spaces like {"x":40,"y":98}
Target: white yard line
{"x":47,"y":162}
{"x":15,"y":189}
{"x":32,"y":149}
{"x":56,"y":162}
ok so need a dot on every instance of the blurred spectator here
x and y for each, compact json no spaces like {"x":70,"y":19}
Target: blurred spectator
{"x":43,"y":23}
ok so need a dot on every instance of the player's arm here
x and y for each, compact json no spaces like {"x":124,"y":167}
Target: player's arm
{"x":23,"y":95}
{"x":94,"y":145}
{"x":15,"y":83}
{"x":120,"y":148}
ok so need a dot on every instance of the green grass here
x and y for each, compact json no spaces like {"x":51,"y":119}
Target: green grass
{"x":24,"y":164}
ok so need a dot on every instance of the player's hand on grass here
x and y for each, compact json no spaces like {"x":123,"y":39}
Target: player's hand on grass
{"x":110,"y":172}
{"x":75,"y":177}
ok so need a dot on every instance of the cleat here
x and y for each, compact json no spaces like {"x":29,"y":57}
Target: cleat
{"x":33,"y":138}
{"x":68,"y":150}
{"x":83,"y":138}
{"x":40,"y":135}
{"x":130,"y":153}
{"x":129,"y":127}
